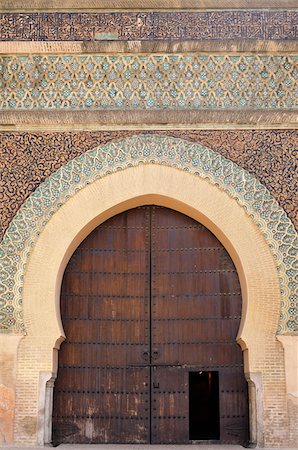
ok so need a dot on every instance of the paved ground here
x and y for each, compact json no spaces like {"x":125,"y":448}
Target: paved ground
{"x":154,"y":447}
{"x":150,"y":447}
{"x":144,"y":447}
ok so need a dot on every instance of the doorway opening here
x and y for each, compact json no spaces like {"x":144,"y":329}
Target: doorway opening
{"x":204,"y":405}
{"x":151,"y":306}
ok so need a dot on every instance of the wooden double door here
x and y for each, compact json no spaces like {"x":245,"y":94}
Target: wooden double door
{"x":151,"y":306}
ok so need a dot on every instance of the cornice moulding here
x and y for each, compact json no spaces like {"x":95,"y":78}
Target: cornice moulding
{"x":130,"y":5}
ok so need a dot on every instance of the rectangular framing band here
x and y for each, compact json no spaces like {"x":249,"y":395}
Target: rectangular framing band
{"x":66,"y":120}
{"x":66,"y":5}
{"x":212,"y":46}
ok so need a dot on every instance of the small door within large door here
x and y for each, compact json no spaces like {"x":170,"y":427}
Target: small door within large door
{"x":151,"y":306}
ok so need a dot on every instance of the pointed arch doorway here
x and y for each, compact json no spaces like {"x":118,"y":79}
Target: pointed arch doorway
{"x":151,"y":306}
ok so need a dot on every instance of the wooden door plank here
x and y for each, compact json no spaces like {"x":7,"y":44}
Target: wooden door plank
{"x":169,"y":422}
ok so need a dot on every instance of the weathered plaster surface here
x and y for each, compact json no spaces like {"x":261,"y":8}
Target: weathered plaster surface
{"x":8,"y":359}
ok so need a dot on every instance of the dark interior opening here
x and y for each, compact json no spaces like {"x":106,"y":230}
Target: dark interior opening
{"x":203,"y":406}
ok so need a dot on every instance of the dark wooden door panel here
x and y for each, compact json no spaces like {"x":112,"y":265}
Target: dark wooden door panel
{"x":233,"y":406}
{"x":112,"y":308}
{"x":105,"y":307}
{"x":196,"y":311}
{"x":169,"y":393}
{"x":189,"y":301}
{"x":109,"y":405}
{"x":106,"y":283}
{"x":195,"y":257}
{"x":194,"y":329}
{"x":219,"y":306}
{"x":203,"y":355}
{"x":149,"y":297}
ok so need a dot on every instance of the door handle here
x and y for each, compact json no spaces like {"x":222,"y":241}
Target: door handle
{"x":155,"y":354}
{"x":146,"y":355}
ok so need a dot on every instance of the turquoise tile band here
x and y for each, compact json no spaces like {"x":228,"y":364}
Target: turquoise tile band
{"x":148,"y":82}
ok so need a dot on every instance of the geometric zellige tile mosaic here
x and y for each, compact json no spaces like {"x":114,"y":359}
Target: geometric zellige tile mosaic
{"x":148,"y":81}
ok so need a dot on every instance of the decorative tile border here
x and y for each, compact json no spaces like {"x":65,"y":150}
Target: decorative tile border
{"x":28,"y":223}
{"x":144,"y":25}
{"x":148,"y":82}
